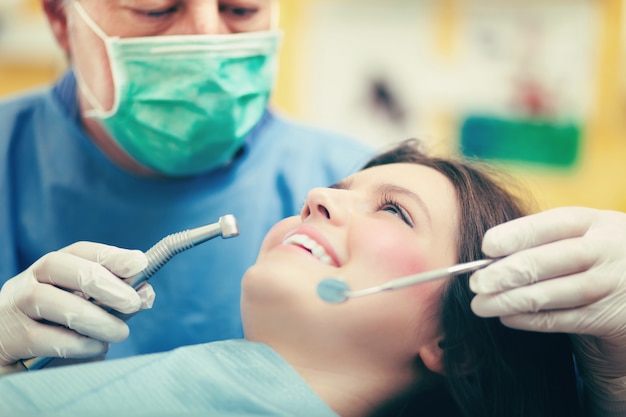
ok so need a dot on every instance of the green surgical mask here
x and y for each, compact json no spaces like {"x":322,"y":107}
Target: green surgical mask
{"x":184,"y":104}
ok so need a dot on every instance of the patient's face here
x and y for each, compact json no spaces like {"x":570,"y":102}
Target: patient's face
{"x":379,"y":224}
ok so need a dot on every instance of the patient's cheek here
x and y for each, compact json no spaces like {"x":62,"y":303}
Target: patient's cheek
{"x":409,"y":263}
{"x":402,"y":259}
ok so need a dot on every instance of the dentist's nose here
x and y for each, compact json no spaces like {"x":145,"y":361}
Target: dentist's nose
{"x":324,"y":203}
{"x":203,"y":18}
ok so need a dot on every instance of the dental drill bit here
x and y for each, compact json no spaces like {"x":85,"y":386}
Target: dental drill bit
{"x":335,"y":290}
{"x":159,"y":254}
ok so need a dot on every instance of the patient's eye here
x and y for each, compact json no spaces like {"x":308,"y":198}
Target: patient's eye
{"x":390,"y":205}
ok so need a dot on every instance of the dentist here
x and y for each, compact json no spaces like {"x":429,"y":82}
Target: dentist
{"x":161,"y":124}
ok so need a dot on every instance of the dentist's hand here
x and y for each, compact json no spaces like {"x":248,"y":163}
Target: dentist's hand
{"x":564,"y":271}
{"x":44,"y":310}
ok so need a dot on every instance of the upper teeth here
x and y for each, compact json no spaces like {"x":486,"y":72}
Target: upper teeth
{"x":316,"y":249}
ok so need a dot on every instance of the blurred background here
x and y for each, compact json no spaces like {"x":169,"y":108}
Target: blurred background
{"x":536,"y":87}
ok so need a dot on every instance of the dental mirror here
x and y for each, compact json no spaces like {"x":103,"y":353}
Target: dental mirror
{"x":335,"y":290}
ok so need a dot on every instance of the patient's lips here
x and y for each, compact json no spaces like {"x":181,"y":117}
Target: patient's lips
{"x":312,"y":246}
{"x":316,"y":245}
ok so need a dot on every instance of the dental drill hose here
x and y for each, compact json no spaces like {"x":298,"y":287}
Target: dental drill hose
{"x":165,"y":249}
{"x":158,"y":255}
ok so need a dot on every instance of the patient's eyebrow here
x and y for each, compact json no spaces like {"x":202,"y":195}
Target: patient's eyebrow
{"x":391,"y":189}
{"x":397,"y":190}
{"x":342,"y":185}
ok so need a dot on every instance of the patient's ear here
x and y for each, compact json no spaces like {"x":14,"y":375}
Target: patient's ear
{"x":431,"y":355}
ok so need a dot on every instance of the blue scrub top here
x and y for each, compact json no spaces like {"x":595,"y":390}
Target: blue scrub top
{"x":57,"y":187}
{"x":234,"y":378}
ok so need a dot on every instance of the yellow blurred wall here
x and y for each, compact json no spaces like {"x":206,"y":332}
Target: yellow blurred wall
{"x":600,"y":178}
{"x":31,"y":68}
{"x":598,"y":181}
{"x":18,"y":77}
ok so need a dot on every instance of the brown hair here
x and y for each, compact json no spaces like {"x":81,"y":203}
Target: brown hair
{"x":491,"y":370}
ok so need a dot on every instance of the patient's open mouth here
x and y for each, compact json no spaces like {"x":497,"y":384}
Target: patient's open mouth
{"x":310,"y":245}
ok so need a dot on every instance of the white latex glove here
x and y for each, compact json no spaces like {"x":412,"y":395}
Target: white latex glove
{"x":44,"y":310}
{"x":565,"y":271}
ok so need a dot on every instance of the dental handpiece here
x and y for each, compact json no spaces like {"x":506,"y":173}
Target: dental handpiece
{"x":159,"y":254}
{"x":165,"y":249}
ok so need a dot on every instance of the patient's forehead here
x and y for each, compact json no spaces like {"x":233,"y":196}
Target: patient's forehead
{"x":426,"y":182}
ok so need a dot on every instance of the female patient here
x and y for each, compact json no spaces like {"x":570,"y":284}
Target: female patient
{"x":416,"y":351}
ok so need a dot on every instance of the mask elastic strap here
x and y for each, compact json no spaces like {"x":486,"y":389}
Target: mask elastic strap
{"x":97,"y":108}
{"x":89,"y":96}
{"x":89,"y":21}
